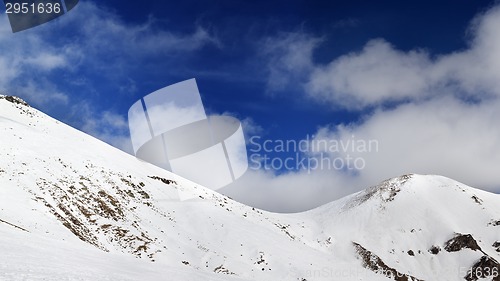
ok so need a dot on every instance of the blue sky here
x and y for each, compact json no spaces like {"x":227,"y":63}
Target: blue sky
{"x":287,"y":69}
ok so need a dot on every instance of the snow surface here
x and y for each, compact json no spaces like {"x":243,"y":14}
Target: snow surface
{"x":75,"y":208}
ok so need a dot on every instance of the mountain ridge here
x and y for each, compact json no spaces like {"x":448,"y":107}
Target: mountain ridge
{"x":71,"y":192}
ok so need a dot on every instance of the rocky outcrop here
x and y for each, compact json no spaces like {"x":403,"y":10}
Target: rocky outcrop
{"x":486,"y":267}
{"x":461,"y":241}
{"x":374,"y":263}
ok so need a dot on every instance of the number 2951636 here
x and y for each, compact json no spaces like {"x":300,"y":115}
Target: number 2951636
{"x":33,"y":8}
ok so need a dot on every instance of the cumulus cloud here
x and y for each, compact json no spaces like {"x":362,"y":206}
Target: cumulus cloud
{"x":443,"y":119}
{"x":292,"y":192}
{"x":381,"y":73}
{"x":443,"y":136}
{"x":377,"y":74}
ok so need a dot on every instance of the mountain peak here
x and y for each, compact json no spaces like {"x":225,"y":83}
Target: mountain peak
{"x":387,"y":190}
{"x":14,"y":100}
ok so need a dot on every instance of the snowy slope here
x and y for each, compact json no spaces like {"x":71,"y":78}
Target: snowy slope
{"x":404,"y":219}
{"x":75,"y":208}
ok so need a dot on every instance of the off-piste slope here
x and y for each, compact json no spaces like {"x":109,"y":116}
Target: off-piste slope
{"x":75,"y":208}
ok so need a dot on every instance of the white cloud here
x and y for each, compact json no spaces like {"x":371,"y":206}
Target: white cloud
{"x":444,"y":121}
{"x":250,"y":128}
{"x":442,"y":136}
{"x":24,"y":59}
{"x":39,"y":92}
{"x":90,"y":36}
{"x":9,"y":70}
{"x":107,"y":126}
{"x":102,"y":32}
{"x":290,"y":58}
{"x":90,"y":39}
{"x":47,"y":61}
{"x":292,"y":192}
{"x":378,"y":73}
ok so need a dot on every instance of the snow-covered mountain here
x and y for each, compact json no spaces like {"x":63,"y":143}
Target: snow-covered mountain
{"x":75,"y":208}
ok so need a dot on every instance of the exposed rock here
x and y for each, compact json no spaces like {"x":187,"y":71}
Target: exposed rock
{"x":461,"y":241}
{"x":486,"y":267}
{"x":497,"y":246}
{"x":386,"y":191}
{"x":434,"y":250}
{"x":81,"y":203}
{"x":223,"y":270}
{"x":284,"y":228}
{"x":494,"y":223}
{"x":477,"y":199}
{"x":374,"y":263}
{"x":15,"y":100}
{"x":165,"y":181}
